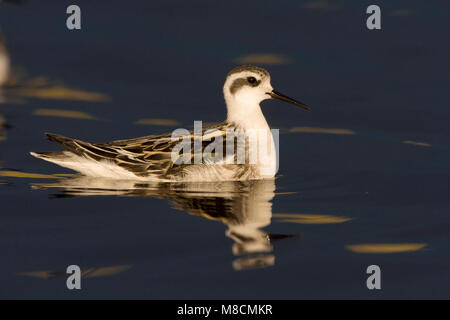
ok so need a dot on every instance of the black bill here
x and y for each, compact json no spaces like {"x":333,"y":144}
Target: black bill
{"x":277,"y":95}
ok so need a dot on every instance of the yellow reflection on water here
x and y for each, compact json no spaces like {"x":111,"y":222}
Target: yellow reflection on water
{"x":63,"y":114}
{"x":20,"y":85}
{"x":385,"y":247}
{"x":59,"y":92}
{"x":263,"y":58}
{"x":416,"y":143}
{"x":87,"y":273}
{"x":310,"y":218}
{"x":322,"y":130}
{"x":158,"y":122}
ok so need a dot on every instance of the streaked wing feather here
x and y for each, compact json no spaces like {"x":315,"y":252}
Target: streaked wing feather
{"x":144,"y":156}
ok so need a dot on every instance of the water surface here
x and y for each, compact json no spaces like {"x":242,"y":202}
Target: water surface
{"x":364,"y":177}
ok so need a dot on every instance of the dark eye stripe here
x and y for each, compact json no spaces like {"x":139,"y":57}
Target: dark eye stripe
{"x":239,"y":83}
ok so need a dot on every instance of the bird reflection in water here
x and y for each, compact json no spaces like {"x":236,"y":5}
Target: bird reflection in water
{"x":245,"y":207}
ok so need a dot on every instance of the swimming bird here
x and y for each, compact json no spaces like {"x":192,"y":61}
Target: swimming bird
{"x":151,"y":157}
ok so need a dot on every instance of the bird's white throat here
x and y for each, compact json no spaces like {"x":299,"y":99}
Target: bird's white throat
{"x":248,"y":116}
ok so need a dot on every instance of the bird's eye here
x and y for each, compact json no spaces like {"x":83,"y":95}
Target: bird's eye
{"x":251,"y":80}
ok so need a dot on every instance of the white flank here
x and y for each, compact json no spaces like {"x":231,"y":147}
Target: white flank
{"x":91,"y":168}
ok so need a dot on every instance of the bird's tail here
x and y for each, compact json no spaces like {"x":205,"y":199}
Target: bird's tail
{"x":58,"y":157}
{"x":49,"y":156}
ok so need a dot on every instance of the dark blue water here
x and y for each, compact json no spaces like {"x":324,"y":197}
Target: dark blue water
{"x":341,"y":202}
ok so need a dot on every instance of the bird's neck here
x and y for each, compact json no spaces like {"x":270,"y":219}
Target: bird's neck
{"x":250,"y":118}
{"x":246,"y":115}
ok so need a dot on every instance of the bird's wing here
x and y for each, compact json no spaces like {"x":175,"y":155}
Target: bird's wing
{"x":144,"y":156}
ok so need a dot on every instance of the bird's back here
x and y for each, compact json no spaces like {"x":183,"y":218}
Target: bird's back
{"x":150,"y":157}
